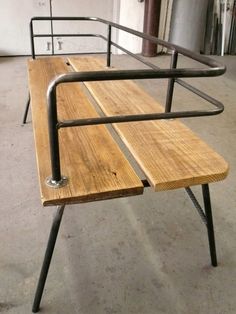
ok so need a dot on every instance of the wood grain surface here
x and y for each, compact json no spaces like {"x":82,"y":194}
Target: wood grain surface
{"x":168,"y":152}
{"x":93,"y":162}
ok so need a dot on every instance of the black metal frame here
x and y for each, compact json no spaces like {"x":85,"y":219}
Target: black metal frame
{"x":205,"y":216}
{"x":26,"y":109}
{"x":47,"y":257}
{"x":173,"y":74}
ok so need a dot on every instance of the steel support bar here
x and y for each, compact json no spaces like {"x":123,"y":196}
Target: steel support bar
{"x":47,"y":258}
{"x":26,"y":109}
{"x":206,"y":218}
{"x":198,"y":92}
{"x":135,"y":56}
{"x":171,"y":82}
{"x":69,"y":35}
{"x":51,"y":27}
{"x":54,"y":140}
{"x":133,"y":118}
{"x":196,"y":204}
{"x":210,"y":226}
{"x":32,"y":39}
{"x":109,"y":46}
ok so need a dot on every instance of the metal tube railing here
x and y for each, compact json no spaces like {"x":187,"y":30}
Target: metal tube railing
{"x":217,"y":68}
{"x":55,"y":125}
{"x":174,"y":74}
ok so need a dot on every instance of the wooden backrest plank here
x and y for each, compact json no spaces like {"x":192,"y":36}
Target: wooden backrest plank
{"x":168,"y":152}
{"x":95,"y":165}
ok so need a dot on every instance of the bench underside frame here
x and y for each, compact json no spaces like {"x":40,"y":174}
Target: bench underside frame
{"x":205,"y":214}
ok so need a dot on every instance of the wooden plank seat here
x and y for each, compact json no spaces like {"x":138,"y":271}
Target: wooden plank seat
{"x":95,"y":165}
{"x":168,"y":152}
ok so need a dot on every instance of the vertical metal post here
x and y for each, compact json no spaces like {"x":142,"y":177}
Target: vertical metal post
{"x":56,"y":180}
{"x":32,"y":40}
{"x":51,"y":25}
{"x":171,"y":82}
{"x":26,"y":109}
{"x":109,"y":46}
{"x":47,"y":258}
{"x":53,"y":135}
{"x":210,"y":226}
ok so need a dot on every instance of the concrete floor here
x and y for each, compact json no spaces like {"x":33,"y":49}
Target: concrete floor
{"x":142,"y":255}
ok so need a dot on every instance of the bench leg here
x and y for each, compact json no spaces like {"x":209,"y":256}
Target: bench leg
{"x":47,"y":258}
{"x":210,"y":226}
{"x":26,"y":110}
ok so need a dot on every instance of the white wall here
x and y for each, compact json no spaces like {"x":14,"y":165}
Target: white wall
{"x":131,"y":15}
{"x":102,"y":9}
{"x":14,"y":24}
{"x":15,"y":16}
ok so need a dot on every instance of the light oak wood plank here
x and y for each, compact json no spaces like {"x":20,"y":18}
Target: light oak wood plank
{"x":168,"y":152}
{"x":95,"y":165}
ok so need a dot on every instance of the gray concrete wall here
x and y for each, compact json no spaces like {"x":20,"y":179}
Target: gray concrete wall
{"x":14,"y":24}
{"x":188,"y":23}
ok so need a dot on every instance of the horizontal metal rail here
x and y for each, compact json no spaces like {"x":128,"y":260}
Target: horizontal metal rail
{"x":137,"y":57}
{"x":196,"y":204}
{"x":69,"y":35}
{"x":215,"y":69}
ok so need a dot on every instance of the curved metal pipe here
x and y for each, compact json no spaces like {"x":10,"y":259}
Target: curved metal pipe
{"x":54,"y":124}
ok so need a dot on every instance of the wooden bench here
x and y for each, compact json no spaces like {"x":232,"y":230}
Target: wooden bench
{"x":170,"y":155}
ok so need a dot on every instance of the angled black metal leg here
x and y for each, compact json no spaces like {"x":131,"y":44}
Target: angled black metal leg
{"x":210,"y":227}
{"x":26,"y":109}
{"x":47,"y":258}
